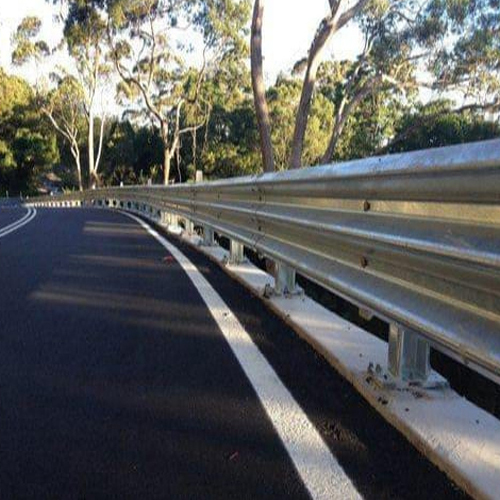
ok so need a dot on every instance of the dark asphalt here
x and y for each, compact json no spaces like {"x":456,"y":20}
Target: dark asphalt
{"x":115,"y":381}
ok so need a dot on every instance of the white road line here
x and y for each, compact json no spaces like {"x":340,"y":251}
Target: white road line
{"x":15,"y":223}
{"x":321,"y":474}
{"x":18,"y":224}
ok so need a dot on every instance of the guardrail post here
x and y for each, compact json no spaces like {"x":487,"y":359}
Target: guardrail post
{"x":173,"y":221}
{"x":236,"y":254}
{"x":285,"y":280}
{"x":189,"y":229}
{"x":208,"y":236}
{"x":409,"y":355}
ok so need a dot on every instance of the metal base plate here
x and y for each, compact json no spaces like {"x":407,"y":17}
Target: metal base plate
{"x":385,"y":380}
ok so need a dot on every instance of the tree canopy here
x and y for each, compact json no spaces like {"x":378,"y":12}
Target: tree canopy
{"x":158,"y":89}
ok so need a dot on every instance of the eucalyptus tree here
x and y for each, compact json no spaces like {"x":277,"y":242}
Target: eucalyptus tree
{"x":85,"y":26}
{"x":27,"y":45}
{"x":464,"y":40}
{"x":84,"y":40}
{"x":461,"y":40}
{"x":151,"y":51}
{"x":63,"y":108}
{"x":386,"y":66}
{"x":340,"y":13}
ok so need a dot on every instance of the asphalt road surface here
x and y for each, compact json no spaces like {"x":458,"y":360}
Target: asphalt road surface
{"x":10,"y":214}
{"x":117,"y":381}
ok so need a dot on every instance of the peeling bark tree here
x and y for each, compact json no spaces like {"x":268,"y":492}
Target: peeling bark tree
{"x":335,"y":21}
{"x":63,"y":108}
{"x":84,"y":31}
{"x":338,"y":17}
{"x":259,"y":88}
{"x":152,"y":62}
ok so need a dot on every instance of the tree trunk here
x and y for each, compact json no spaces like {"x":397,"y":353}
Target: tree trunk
{"x":92,"y":176}
{"x":167,"y":153}
{"x":344,"y":112}
{"x":324,"y":34}
{"x":195,"y":145}
{"x":79,"y":173}
{"x":166,"y":165}
{"x":99,"y":150}
{"x":329,"y":26}
{"x":340,"y":120}
{"x":259,"y":89}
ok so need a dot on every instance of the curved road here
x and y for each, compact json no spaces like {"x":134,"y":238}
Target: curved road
{"x":10,"y":215}
{"x":117,"y":381}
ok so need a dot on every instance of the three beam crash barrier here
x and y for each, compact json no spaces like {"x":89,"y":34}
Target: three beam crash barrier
{"x":412,"y":238}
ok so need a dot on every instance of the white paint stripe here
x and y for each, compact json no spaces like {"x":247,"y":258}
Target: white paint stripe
{"x":15,"y":223}
{"x":321,"y":474}
{"x":19,"y":224}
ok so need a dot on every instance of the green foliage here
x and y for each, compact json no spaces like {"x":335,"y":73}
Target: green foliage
{"x":27,"y":146}
{"x":457,"y":40}
{"x":233,"y":147}
{"x":436,"y":125}
{"x":464,"y":42}
{"x":26,"y":44}
{"x":132,"y":154}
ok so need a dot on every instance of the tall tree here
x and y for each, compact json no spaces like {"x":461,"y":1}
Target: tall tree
{"x":150,"y":55}
{"x":259,"y":87}
{"x":464,"y":40}
{"x":63,"y":108}
{"x":85,"y":24}
{"x":27,"y":146}
{"x":386,"y":65}
{"x":340,"y":13}
{"x":83,"y":37}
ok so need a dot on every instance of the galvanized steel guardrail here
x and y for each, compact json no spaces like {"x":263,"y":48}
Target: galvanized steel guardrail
{"x":414,"y":238}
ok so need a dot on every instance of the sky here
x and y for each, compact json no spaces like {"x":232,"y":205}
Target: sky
{"x":289,"y":26}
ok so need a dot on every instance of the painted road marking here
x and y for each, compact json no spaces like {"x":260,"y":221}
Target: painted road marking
{"x":18,"y":224}
{"x":320,"y":472}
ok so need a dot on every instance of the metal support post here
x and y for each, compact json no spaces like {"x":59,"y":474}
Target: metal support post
{"x":285,"y":280}
{"x":236,"y":255}
{"x":409,"y":355}
{"x":208,"y":236}
{"x":173,"y":221}
{"x":189,"y":230}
